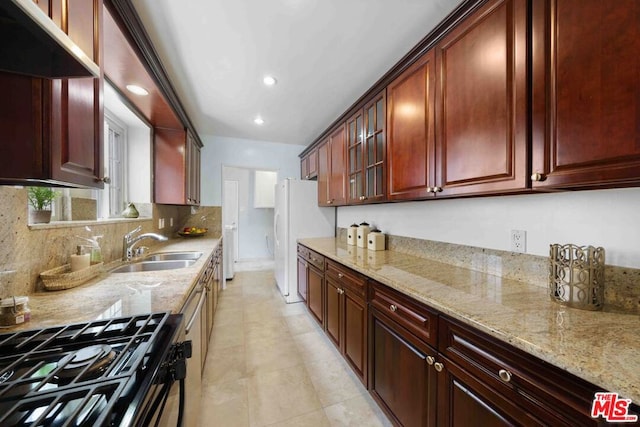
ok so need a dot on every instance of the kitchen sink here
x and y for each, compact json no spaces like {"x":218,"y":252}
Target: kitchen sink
{"x":164,"y":256}
{"x":148,"y":265}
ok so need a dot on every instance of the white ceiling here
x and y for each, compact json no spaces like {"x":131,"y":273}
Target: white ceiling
{"x":324,"y":53}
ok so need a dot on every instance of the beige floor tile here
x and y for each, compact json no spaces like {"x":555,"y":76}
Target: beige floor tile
{"x":312,"y":419}
{"x":314,"y":346}
{"x":280,"y":395}
{"x":224,"y":365}
{"x":271,"y":354}
{"x":228,"y":316}
{"x":294,"y":309}
{"x":301,"y":324}
{"x":356,"y":412}
{"x":229,"y":335}
{"x":225,"y":405}
{"x":333,"y":382}
{"x":271,"y":327}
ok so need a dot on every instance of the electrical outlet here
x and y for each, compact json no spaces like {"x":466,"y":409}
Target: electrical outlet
{"x":161,"y":223}
{"x":518,"y":241}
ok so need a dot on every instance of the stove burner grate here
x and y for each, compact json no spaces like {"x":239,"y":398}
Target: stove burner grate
{"x":86,"y":363}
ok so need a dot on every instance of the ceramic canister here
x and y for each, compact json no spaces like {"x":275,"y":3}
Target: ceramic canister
{"x":363,"y":230}
{"x":352,"y":233}
{"x":376,"y":240}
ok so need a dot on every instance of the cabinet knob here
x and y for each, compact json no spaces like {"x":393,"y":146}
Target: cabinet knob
{"x":340,"y":291}
{"x":329,"y":202}
{"x":306,"y":177}
{"x":105,"y":179}
{"x":362,"y":197}
{"x":437,"y":189}
{"x":430,"y":360}
{"x":340,"y":275}
{"x":439,"y":366}
{"x":429,"y":189}
{"x":504,"y":375}
{"x":393,"y":307}
{"x":537,"y":177}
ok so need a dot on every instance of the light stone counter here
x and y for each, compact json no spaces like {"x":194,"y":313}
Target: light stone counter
{"x":601,"y":347}
{"x":122,"y":294}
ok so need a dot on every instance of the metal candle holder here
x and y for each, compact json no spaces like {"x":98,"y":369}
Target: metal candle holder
{"x":576,"y":276}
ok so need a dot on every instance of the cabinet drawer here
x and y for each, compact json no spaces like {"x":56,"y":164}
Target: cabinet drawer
{"x":342,"y":275}
{"x":406,"y":312}
{"x":546,"y":393}
{"x":316,"y":260}
{"x":303,"y":252}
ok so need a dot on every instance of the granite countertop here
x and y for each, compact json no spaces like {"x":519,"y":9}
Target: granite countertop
{"x":599,"y":346}
{"x":122,"y":294}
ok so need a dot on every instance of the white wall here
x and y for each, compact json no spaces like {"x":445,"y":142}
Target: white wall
{"x":241,"y":157}
{"x":219,"y":150}
{"x":139,"y":163}
{"x":607,"y":218}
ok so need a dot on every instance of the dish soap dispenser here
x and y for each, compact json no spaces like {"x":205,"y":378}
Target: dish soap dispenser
{"x":80,"y":259}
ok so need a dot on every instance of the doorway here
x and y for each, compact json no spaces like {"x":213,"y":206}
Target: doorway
{"x":248,"y":216}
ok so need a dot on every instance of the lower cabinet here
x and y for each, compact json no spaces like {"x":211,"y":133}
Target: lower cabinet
{"x":346,"y":321}
{"x":302,"y":278}
{"x":315,"y":293}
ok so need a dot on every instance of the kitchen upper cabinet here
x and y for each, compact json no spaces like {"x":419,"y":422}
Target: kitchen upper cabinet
{"x":481,"y":102}
{"x":365,"y":142}
{"x":176,"y":167}
{"x":410,"y":130}
{"x":586,"y":93}
{"x":332,"y":169}
{"x":309,"y":165}
{"x":54,"y":128}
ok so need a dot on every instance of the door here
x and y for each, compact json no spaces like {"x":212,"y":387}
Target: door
{"x":230,"y":215}
{"x":302,"y":278}
{"x":334,"y":320}
{"x":315,"y":290}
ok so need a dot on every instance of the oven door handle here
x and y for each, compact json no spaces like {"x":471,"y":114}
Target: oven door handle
{"x":203,"y":298}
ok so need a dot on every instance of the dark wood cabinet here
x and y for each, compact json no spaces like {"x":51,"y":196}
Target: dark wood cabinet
{"x":309,"y":165}
{"x":315,"y":293}
{"x":346,"y":321}
{"x":366,"y":146}
{"x":332,"y":169}
{"x":53,"y":129}
{"x":410,"y":130}
{"x":302,"y":278}
{"x":586,"y":93}
{"x":403,"y":380}
{"x":176,"y":167}
{"x":481,"y":102}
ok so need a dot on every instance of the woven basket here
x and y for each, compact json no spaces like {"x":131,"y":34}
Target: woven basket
{"x":60,"y":278}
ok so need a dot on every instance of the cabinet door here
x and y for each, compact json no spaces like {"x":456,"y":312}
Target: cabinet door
{"x":374,"y":148}
{"x":304,"y":168}
{"x":323,"y":174}
{"x":337,"y":179}
{"x":355,"y":332}
{"x":315,"y":293}
{"x":410,"y":130}
{"x":355,"y":170}
{"x":312,"y":166}
{"x":464,"y":401}
{"x":302,"y":278}
{"x":586,"y":93}
{"x":481,"y":102}
{"x":193,"y":171}
{"x":334,"y":320}
{"x":76,"y":104}
{"x":401,"y":379}
{"x":170,"y":166}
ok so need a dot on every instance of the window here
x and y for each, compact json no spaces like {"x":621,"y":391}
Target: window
{"x":112,"y":200}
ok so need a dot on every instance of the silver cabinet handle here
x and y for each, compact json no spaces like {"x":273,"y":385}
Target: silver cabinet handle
{"x":195,"y":313}
{"x":430,"y":360}
{"x":504,"y":375}
{"x":439,"y":366}
{"x":393,"y":307}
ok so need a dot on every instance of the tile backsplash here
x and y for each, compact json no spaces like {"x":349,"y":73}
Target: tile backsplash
{"x":26,"y":251}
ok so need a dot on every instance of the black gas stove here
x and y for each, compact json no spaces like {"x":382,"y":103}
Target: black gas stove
{"x":112,"y":372}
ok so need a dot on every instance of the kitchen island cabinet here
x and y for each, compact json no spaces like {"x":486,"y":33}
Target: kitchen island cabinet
{"x":311,"y":284}
{"x":54,"y":128}
{"x":586,"y":94}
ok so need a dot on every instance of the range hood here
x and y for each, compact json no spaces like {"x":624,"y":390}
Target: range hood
{"x":32,"y":44}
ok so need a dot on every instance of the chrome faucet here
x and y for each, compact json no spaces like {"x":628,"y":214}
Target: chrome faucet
{"x":128,"y":241}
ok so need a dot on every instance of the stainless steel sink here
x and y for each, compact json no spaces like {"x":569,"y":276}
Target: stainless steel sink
{"x":164,"y":256}
{"x":154,"y":265}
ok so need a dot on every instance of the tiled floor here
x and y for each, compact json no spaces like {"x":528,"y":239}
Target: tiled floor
{"x":270,"y":364}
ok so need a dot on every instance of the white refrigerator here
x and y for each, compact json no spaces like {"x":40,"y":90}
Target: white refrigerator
{"x":296,"y":216}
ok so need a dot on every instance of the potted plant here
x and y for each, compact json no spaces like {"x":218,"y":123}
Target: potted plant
{"x":40,"y":199}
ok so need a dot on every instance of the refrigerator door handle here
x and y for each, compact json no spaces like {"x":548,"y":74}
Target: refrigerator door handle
{"x":275,"y":228}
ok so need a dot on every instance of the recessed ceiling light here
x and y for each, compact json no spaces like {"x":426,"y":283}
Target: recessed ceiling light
{"x":269,"y":80}
{"x":258,"y":120}
{"x":138,"y":90}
